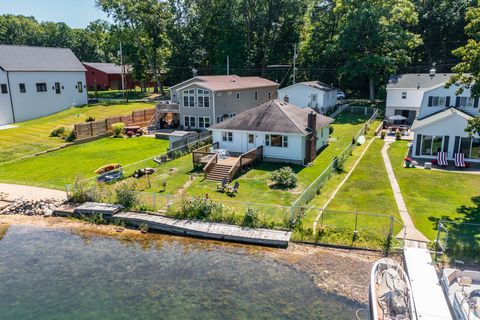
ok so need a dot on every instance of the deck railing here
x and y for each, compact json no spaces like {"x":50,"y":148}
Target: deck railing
{"x":200,"y":153}
{"x":246,"y":159}
{"x":210,"y":164}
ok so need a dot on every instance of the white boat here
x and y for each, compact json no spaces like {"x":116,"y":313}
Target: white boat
{"x":463,"y":291}
{"x":390,"y":292}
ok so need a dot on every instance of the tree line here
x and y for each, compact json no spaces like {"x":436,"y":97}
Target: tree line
{"x":353,"y":44}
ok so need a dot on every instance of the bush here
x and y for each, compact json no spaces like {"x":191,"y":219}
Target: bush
{"x":284,"y":178}
{"x":69,"y":135}
{"x":398,"y":136}
{"x":57,"y":132}
{"x":250,"y":219}
{"x":90,"y":119}
{"x":80,"y":193}
{"x":330,"y":130}
{"x":383,"y":133}
{"x":126,"y":196}
{"x":117,"y":129}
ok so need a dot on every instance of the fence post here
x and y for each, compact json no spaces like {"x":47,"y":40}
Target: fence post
{"x":154,"y":202}
{"x":390,"y":233}
{"x":356,"y":224}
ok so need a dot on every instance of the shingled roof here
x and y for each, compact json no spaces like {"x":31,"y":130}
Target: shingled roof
{"x":418,"y":81}
{"x":226,"y":82}
{"x":28,"y":58}
{"x":108,"y":68}
{"x":319,"y":85}
{"x":273,"y":116}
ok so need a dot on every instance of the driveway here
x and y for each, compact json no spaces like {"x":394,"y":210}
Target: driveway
{"x":15,"y":191}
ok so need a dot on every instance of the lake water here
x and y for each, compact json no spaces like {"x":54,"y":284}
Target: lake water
{"x":56,"y":274}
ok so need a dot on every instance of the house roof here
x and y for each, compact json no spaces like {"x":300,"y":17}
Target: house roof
{"x":438,"y":116}
{"x":226,"y":83}
{"x":418,"y":81}
{"x":274,"y":116}
{"x":108,"y":68}
{"x":319,"y":85}
{"x":28,"y":58}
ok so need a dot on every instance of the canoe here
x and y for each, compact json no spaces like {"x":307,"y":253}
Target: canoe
{"x":110,"y":176}
{"x":390,"y":292}
{"x":108,"y":167}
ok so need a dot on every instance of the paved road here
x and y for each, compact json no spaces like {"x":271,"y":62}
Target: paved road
{"x":31,"y":193}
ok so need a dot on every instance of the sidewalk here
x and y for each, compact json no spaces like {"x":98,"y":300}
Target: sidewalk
{"x":410,"y":233}
{"x":15,"y":191}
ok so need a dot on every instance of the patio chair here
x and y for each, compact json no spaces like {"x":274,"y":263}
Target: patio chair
{"x":235,"y":188}
{"x":460,"y":160}
{"x":442,"y":159}
{"x":221,"y":186}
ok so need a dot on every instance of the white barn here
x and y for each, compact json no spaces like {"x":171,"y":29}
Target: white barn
{"x":311,"y":94}
{"x":38,"y":81}
{"x":287,"y":133}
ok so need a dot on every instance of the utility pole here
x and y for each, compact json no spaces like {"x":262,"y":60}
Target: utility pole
{"x":122,"y":70}
{"x":228,"y":65}
{"x":294,"y":62}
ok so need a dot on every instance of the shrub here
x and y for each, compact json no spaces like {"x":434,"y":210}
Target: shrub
{"x":117,"y":129}
{"x":383,"y":133}
{"x":250,"y":219}
{"x":80,"y":193}
{"x":69,"y":135}
{"x":202,"y":209}
{"x":90,"y":119}
{"x":330,"y":130}
{"x":57,"y":132}
{"x":398,"y":136}
{"x":126,"y":196}
{"x":284,"y":178}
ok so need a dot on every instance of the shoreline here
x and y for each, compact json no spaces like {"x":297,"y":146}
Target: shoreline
{"x":345,"y":273}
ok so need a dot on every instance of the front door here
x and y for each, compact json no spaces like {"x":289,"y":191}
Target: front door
{"x":251,"y":142}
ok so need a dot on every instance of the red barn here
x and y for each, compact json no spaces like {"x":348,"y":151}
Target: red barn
{"x":107,"y":76}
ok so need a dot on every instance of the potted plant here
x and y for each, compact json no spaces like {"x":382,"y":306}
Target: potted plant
{"x":383,"y":133}
{"x":398,"y":135}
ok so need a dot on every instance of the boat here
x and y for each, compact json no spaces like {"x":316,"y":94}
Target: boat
{"x":463,"y":291}
{"x":108,"y":167}
{"x":390,"y":292}
{"x":110,"y":176}
{"x":143,"y":172}
{"x":361,"y":140}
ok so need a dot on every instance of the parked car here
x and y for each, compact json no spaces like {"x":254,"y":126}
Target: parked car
{"x":340,"y":94}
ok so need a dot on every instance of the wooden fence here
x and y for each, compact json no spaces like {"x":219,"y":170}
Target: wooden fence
{"x":96,"y":128}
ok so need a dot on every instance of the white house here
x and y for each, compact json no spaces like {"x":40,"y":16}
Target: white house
{"x":418,"y":95}
{"x":286,"y":132}
{"x":313,"y":94}
{"x":37,"y":81}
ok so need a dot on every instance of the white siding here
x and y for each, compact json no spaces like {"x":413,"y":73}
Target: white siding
{"x":301,"y":95}
{"x":33,"y":104}
{"x":442,"y":92}
{"x":5,"y":105}
{"x":395,"y":101}
{"x":322,"y":140}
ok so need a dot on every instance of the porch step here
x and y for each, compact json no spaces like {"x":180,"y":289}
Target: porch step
{"x":218,"y":172}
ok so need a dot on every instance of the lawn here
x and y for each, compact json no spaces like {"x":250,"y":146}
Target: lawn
{"x":33,"y":136}
{"x":56,"y":169}
{"x":118,"y":94}
{"x":432,"y":195}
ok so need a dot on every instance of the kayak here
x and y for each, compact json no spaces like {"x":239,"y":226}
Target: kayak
{"x":110,"y":176}
{"x":108,"y":167}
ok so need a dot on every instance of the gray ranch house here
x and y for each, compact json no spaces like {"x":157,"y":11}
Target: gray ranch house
{"x":206,"y":100}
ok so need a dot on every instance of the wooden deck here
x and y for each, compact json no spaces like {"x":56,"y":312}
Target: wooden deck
{"x":208,"y":230}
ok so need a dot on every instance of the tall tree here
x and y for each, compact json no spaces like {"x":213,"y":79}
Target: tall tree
{"x":374,"y":39}
{"x":19,"y":30}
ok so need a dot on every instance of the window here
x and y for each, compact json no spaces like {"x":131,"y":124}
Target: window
{"x":4,"y":88}
{"x":203,"y":98}
{"x":189,"y":98}
{"x":231,"y":115}
{"x":470,"y":147}
{"x":57,"y":88}
{"x":251,"y":138}
{"x":269,"y":95}
{"x":436,"y":101}
{"x":237,"y":95}
{"x":255,"y":95}
{"x":204,"y":122}
{"x":80,"y":86}
{"x":475,"y":150}
{"x":404,"y":95}
{"x":219,"y":119}
{"x":41,"y":87}
{"x":275,"y":140}
{"x":22,"y":87}
{"x":189,"y":122}
{"x":431,"y":145}
{"x":466,"y":102}
{"x":227,"y":136}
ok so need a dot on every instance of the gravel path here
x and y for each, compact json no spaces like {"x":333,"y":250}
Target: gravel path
{"x":15,"y":191}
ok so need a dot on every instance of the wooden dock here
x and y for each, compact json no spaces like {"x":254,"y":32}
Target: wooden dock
{"x":208,"y":230}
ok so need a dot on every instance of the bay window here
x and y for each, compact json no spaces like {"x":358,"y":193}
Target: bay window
{"x":276,"y":140}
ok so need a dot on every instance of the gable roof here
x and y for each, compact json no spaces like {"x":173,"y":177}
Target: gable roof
{"x":273,"y":116}
{"x":108,"y":68}
{"x":319,"y":85}
{"x":28,"y":58}
{"x":438,"y":116}
{"x":226,"y":83}
{"x":418,"y":81}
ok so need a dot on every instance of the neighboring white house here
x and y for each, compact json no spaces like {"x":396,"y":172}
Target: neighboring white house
{"x":286,"y":132}
{"x":418,"y":95}
{"x":313,"y":94}
{"x":38,"y":81}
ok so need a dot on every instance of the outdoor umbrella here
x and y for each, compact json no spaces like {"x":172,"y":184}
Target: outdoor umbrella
{"x":397,"y":117}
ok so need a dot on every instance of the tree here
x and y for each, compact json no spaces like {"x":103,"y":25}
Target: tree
{"x":19,"y":30}
{"x":467,"y":72}
{"x":374,"y":39}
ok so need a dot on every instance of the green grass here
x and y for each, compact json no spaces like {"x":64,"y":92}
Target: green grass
{"x":118,"y":94}
{"x":432,"y":195}
{"x":33,"y":136}
{"x":56,"y":169}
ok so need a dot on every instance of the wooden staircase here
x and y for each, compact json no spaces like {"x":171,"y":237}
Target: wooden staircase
{"x":218,"y":172}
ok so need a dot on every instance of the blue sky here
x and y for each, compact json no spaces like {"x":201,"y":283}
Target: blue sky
{"x":75,"y":13}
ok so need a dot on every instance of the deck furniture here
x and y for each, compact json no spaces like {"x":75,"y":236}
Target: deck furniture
{"x":221,"y":186}
{"x":460,"y":160}
{"x":442,"y":159}
{"x":234,"y":189}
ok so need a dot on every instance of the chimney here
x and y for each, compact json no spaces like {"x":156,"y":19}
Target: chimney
{"x":286,"y":98}
{"x":311,"y":142}
{"x":433,"y":71}
{"x":312,"y":121}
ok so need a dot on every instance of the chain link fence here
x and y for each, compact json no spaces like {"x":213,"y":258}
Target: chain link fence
{"x":458,"y":242}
